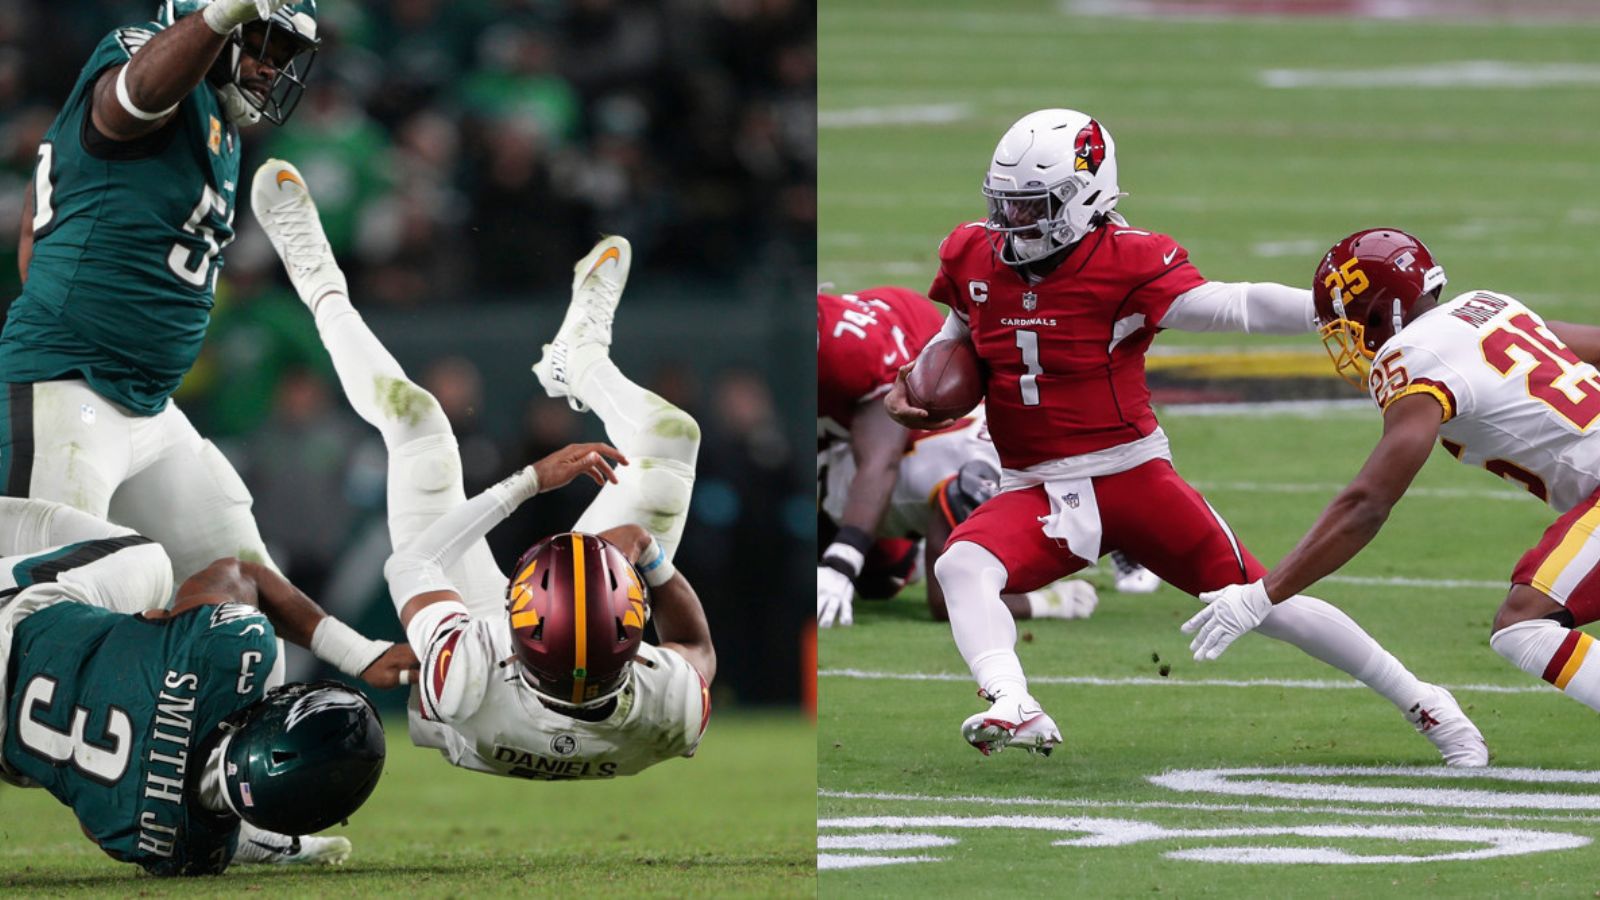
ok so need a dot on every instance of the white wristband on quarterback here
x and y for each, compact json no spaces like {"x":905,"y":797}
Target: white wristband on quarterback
{"x":654,"y":566}
{"x":342,"y":647}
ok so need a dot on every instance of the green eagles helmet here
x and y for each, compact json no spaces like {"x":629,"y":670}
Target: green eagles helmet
{"x":303,"y":758}
{"x":287,"y":42}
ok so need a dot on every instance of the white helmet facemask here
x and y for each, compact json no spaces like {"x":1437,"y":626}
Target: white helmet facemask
{"x":1052,"y":179}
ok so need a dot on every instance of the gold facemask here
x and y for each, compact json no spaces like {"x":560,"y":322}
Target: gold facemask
{"x":1346,"y":345}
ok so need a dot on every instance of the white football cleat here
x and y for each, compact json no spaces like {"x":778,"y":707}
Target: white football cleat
{"x":1440,"y":719}
{"x":1069,"y":598}
{"x":268,"y":848}
{"x":1011,"y":722}
{"x":585,"y":333}
{"x":1132,"y":578}
{"x":282,"y":204}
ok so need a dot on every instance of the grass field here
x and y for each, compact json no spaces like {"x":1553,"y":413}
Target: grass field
{"x":890,"y":747}
{"x":734,"y":821}
{"x":1256,"y":142}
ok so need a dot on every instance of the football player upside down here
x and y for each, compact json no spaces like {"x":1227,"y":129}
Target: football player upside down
{"x":1061,"y":298}
{"x":544,"y":675}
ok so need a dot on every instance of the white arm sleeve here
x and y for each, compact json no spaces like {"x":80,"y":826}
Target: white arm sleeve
{"x":418,"y":567}
{"x":1253,"y":308}
{"x":954,"y":330}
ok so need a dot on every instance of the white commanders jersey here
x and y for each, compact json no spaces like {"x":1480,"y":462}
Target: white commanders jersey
{"x":472,"y":706}
{"x":1516,"y":400}
{"x":931,"y":458}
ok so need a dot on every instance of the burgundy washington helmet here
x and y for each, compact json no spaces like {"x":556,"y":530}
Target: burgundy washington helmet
{"x":1364,"y":291}
{"x":578,"y":611}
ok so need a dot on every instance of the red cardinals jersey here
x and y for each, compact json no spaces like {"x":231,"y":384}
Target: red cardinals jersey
{"x":862,"y":341}
{"x":1065,"y":356}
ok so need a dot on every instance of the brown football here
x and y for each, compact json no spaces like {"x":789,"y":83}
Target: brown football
{"x":947,"y":380}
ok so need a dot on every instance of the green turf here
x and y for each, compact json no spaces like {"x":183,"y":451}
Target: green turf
{"x":901,"y":737}
{"x":737,"y":820}
{"x":1501,"y":183}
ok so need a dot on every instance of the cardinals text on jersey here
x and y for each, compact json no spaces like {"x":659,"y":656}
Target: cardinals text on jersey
{"x":1065,"y":354}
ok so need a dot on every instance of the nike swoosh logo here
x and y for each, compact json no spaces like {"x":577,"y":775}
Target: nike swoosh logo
{"x":611,"y":253}
{"x":889,"y":358}
{"x":287,"y":175}
{"x":1167,"y":260}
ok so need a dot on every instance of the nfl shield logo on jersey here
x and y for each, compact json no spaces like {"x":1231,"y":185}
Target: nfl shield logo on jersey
{"x":1030,"y":301}
{"x":1071,"y":501}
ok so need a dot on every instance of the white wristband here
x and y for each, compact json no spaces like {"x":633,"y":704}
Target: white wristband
{"x":127,"y":101}
{"x":223,"y":16}
{"x":342,"y":647}
{"x":654,"y":566}
{"x":517,"y":487}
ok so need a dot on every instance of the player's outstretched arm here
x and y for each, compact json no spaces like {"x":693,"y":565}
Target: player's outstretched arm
{"x":416,"y":571}
{"x":299,"y":620}
{"x":1250,"y":307}
{"x":1584,"y":340}
{"x":1349,"y":523}
{"x":1353,"y":518}
{"x":674,"y":606}
{"x":138,"y":97}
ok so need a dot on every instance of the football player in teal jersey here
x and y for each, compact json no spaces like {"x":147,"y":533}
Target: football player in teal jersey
{"x":131,"y":204}
{"x":155,"y":726}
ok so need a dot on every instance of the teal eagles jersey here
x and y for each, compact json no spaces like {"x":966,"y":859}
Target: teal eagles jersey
{"x":126,"y":250}
{"x":108,"y":712}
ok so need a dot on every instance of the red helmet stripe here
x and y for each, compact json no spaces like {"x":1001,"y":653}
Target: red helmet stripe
{"x":580,"y":605}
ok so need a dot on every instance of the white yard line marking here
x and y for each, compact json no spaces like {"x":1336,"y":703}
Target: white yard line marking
{"x":1300,"y":408}
{"x":1084,"y":803}
{"x":1266,"y":782}
{"x":1330,"y":488}
{"x":1468,"y":74}
{"x":879,"y":116}
{"x":1152,"y":681}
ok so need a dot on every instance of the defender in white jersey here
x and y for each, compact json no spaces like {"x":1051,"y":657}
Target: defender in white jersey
{"x":1502,"y":389}
{"x":544,"y":675}
{"x":944,"y":476}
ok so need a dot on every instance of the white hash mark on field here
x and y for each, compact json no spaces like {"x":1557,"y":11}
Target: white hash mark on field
{"x":1303,"y":808}
{"x":1320,"y":684}
{"x":878,"y":116}
{"x":1470,"y":74}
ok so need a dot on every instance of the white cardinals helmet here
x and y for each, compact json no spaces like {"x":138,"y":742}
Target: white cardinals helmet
{"x":1053,"y":175}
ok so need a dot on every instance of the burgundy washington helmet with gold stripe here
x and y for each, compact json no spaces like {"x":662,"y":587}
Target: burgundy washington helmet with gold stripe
{"x":1364,"y":291}
{"x":577,"y":611}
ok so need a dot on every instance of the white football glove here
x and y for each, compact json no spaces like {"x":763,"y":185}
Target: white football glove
{"x":225,"y":15}
{"x":834,"y":593}
{"x":1230,"y":613}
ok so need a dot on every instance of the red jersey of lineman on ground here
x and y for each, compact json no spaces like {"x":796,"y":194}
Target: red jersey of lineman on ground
{"x":862,"y":341}
{"x":1065,"y":355}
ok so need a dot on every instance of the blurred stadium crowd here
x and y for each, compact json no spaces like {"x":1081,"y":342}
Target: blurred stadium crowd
{"x":464,"y":154}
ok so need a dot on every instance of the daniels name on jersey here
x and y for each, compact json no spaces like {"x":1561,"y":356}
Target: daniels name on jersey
{"x":1065,"y":354}
{"x":1515,"y":400}
{"x":474,"y":707}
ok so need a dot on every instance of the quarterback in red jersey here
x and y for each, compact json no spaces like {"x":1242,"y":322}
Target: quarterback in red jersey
{"x":884,"y":489}
{"x":1061,"y":298}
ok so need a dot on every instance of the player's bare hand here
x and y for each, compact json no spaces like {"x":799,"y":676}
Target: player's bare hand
{"x":396,"y":667}
{"x":594,"y":460}
{"x":630,"y":539}
{"x":898,"y":403}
